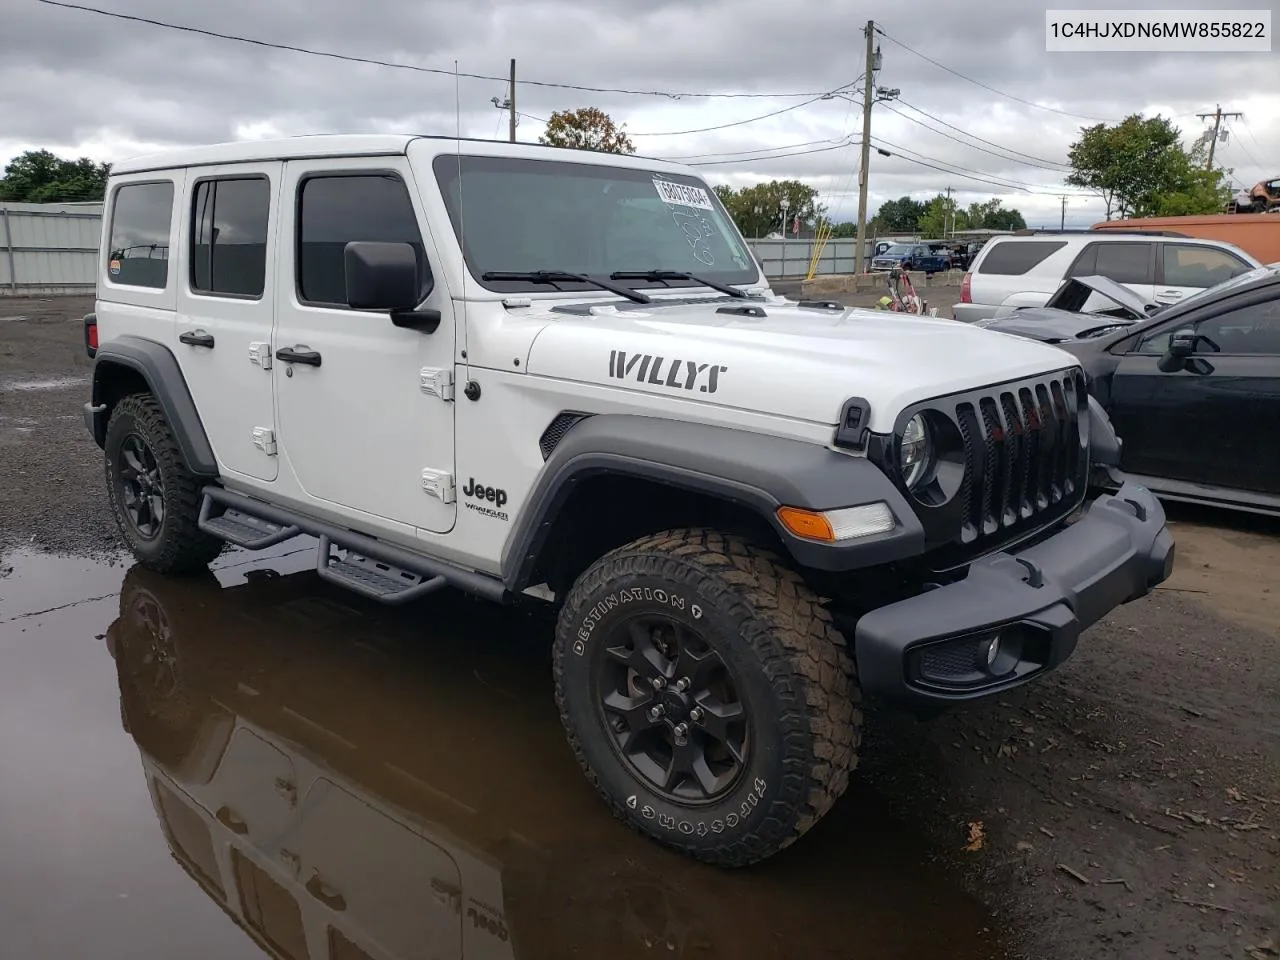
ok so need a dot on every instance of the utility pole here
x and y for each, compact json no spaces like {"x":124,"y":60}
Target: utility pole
{"x":1218,"y":117}
{"x":511,"y":100}
{"x":948,"y":216}
{"x":1062,"y":224}
{"x":868,"y":92}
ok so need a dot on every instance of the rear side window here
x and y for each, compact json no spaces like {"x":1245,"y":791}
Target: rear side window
{"x":1016,"y":257}
{"x":1187,"y":265}
{"x":1125,"y":262}
{"x":335,"y":210}
{"x":138,"y":250}
{"x":229,"y":236}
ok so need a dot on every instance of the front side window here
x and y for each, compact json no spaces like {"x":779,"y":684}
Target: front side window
{"x":1193,"y":266}
{"x":138,"y":250}
{"x":336,"y":210}
{"x":229,"y":236}
{"x":523,"y":215}
{"x":1252,"y":330}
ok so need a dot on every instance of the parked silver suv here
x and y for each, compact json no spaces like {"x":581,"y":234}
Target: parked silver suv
{"x":1024,"y":271}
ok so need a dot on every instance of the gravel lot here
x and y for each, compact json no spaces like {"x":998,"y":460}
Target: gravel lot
{"x":1127,"y":806}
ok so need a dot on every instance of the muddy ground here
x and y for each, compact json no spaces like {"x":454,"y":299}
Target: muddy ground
{"x":1126,"y":806}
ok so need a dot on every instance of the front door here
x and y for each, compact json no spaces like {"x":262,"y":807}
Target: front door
{"x":360,"y":414}
{"x":1215,"y":421}
{"x":1188,"y":268}
{"x":226,"y":307}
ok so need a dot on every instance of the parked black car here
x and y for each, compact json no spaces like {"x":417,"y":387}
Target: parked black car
{"x":1193,"y":390}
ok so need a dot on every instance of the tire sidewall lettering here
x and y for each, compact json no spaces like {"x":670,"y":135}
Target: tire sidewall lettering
{"x":672,"y":600}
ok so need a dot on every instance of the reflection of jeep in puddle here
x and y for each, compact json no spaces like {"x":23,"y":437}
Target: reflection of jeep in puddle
{"x":345,"y":787}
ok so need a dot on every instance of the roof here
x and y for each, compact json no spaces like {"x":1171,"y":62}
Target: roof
{"x":360,"y":145}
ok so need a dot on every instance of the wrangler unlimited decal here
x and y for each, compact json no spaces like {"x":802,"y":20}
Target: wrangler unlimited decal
{"x":661,"y":372}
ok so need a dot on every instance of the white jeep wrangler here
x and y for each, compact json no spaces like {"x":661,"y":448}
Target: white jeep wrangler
{"x":539,"y":373}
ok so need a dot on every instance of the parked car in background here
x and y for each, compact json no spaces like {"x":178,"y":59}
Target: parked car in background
{"x":1024,"y":271}
{"x":1193,"y":390}
{"x":912,"y":256}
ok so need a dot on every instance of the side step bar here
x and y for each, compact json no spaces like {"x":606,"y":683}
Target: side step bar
{"x":376,"y":569}
{"x":372,"y":578}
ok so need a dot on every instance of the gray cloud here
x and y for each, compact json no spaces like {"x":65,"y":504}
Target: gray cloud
{"x":77,"y":82}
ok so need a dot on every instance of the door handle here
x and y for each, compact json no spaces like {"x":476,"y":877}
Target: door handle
{"x":298,"y":355}
{"x":1170,"y":294}
{"x":196,"y":338}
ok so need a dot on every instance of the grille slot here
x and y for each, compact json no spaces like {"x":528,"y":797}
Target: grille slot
{"x":556,"y":430}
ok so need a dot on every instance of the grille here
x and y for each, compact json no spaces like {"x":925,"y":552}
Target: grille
{"x":556,"y":430}
{"x":1025,"y":462}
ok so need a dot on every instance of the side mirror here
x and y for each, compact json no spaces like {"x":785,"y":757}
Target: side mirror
{"x":381,"y":276}
{"x":1182,"y":345}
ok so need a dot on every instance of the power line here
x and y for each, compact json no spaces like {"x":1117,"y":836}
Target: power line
{"x":955,"y":170}
{"x":778,"y":156}
{"x":373,"y":61}
{"x":973,"y":136}
{"x":1244,"y":123}
{"x":740,"y":153}
{"x":1240,"y":143}
{"x":737,"y":123}
{"x":1010,"y":96}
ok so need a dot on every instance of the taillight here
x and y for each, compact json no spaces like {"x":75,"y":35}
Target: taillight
{"x":91,"y":335}
{"x":966,"y":289}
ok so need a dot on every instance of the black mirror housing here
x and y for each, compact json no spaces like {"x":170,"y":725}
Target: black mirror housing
{"x":381,"y":276}
{"x":1182,"y":343}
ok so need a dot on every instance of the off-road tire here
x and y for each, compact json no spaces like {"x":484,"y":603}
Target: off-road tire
{"x":180,"y":546}
{"x":796,"y":680}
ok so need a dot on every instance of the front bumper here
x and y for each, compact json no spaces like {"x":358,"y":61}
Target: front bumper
{"x":932,"y":650}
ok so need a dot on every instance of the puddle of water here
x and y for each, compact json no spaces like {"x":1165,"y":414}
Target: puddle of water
{"x":50,"y":383}
{"x":251,"y":751}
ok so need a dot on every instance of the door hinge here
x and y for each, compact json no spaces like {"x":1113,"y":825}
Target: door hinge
{"x":439,"y":484}
{"x":437,"y":382}
{"x":260,"y":353}
{"x":265,"y":439}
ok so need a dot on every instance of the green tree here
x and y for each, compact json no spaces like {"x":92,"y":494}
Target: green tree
{"x":587,"y":128}
{"x":757,"y":210}
{"x":1140,"y":168}
{"x":993,"y":216}
{"x":941,"y":218}
{"x":40,"y":176}
{"x":897,"y":216}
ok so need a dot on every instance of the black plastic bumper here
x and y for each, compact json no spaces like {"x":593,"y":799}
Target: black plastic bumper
{"x":95,"y":421}
{"x":935,"y":649}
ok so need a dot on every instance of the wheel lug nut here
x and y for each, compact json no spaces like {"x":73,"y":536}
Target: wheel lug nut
{"x":682,"y":684}
{"x":659,"y":683}
{"x":695,"y":714}
{"x":682,"y":730}
{"x":656,"y":712}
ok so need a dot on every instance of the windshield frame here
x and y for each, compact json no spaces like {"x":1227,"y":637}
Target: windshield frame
{"x":445,"y":171}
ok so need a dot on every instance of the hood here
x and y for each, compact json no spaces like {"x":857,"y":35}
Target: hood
{"x":1074,"y":294}
{"x":790,"y":361}
{"x":1053,"y":326}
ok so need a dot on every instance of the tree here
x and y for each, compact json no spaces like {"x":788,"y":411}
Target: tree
{"x":993,"y":216}
{"x":1140,"y":168}
{"x":757,"y":210}
{"x":39,"y":176}
{"x":587,"y":128}
{"x":897,"y":216}
{"x":941,"y":217}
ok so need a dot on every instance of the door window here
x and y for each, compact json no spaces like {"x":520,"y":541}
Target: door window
{"x":138,"y":252}
{"x":229,"y":237}
{"x":336,"y":210}
{"x":1253,"y":330}
{"x":1125,"y":262}
{"x":1015,"y":257}
{"x":1186,"y":265}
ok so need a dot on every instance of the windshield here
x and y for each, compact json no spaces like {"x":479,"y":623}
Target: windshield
{"x":523,"y":215}
{"x":898,"y":250}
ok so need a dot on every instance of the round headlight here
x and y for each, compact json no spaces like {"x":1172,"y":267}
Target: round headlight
{"x":916,"y":451}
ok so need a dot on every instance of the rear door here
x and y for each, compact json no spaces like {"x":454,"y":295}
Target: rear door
{"x":226,"y":309}
{"x":1216,"y":421}
{"x":1131,"y":263}
{"x":1187,"y":268}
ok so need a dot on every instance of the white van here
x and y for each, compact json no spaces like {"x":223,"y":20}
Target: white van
{"x":1024,"y":271}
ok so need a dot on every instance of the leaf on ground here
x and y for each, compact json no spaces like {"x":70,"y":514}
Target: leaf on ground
{"x":977,"y":836}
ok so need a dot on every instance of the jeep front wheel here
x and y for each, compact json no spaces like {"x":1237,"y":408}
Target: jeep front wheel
{"x":706,"y":694}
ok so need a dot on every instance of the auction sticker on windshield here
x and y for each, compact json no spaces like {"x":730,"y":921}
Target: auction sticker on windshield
{"x":682,"y":194}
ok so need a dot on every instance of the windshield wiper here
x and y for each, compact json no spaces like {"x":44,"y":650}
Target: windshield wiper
{"x":660,"y":275}
{"x":560,"y":276}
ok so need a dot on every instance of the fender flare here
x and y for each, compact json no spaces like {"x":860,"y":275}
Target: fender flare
{"x":159,"y":368}
{"x":758,"y":471}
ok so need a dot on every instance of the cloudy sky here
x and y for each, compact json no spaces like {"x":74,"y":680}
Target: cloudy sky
{"x":84,"y":84}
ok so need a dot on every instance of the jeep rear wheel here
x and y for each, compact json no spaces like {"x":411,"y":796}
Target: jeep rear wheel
{"x":706,"y":694}
{"x":155,"y":498}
